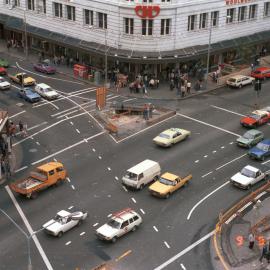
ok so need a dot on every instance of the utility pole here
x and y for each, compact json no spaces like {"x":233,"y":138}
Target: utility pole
{"x":257,"y":88}
{"x":106,"y":60}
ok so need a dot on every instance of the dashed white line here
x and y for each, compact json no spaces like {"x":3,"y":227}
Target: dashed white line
{"x":109,"y":215}
{"x":142,"y":211}
{"x":116,"y":178}
{"x":73,"y":187}
{"x":16,"y":114}
{"x":55,"y":159}
{"x":225,"y":110}
{"x":205,"y":156}
{"x":166,"y":244}
{"x":183,"y":267}
{"x":197,"y":161}
{"x":231,"y":142}
{"x":99,"y":157}
{"x":222,"y":147}
{"x":68,"y":179}
{"x":95,"y":224}
{"x":70,"y":207}
{"x":109,"y":169}
{"x":78,"y":131}
{"x":81,"y":234}
{"x":21,"y":169}
{"x":229,"y":162}
{"x":125,"y":189}
{"x":133,"y":200}
{"x":71,"y":123}
{"x":214,"y":151}
{"x":68,"y":243}
{"x":37,"y":143}
{"x":207,"y":174}
{"x":155,"y":228}
{"x":93,"y":149}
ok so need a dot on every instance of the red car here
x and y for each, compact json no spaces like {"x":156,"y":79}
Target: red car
{"x":3,"y":71}
{"x":261,"y":73}
{"x":45,"y":68}
{"x":256,"y":118}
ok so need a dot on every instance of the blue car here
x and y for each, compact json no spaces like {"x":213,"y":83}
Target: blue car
{"x":261,"y":150}
{"x":29,"y":95}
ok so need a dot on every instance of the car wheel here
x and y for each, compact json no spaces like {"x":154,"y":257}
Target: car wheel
{"x":134,"y":229}
{"x":240,"y":85}
{"x":155,"y":178}
{"x":167,"y":196}
{"x":60,"y":234}
{"x":33,"y":195}
{"x":114,"y":239}
{"x":79,"y":223}
{"x":249,"y":186}
{"x":141,"y":186}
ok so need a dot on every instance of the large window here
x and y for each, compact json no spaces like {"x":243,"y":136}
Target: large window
{"x":102,"y":20}
{"x":266,"y":11}
{"x":147,"y":27}
{"x":44,"y":6}
{"x":71,"y":13}
{"x":129,"y":26}
{"x":31,"y":4}
{"x":252,"y":12}
{"x":165,"y":26}
{"x":58,"y":10}
{"x":214,"y":18}
{"x":203,"y":20}
{"x":242,"y":13}
{"x":230,"y":15}
{"x":192,"y":21}
{"x":88,"y":17}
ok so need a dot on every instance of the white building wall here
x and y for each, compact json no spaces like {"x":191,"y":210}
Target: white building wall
{"x":117,"y":10}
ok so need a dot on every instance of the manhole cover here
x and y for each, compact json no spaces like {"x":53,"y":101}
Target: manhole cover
{"x":20,"y":104}
{"x":32,"y":150}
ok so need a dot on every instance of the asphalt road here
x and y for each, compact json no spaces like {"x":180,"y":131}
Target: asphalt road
{"x":177,"y":228}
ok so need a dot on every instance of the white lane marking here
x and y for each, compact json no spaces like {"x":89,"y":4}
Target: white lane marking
{"x":69,"y":147}
{"x":136,"y":133}
{"x":81,"y":234}
{"x":95,"y":224}
{"x":142,"y":211}
{"x":109,"y":169}
{"x":73,"y":187}
{"x":38,"y":125}
{"x":225,"y":110}
{"x":125,"y":189}
{"x":55,"y":159}
{"x":30,"y":230}
{"x":133,"y":200}
{"x":99,"y":157}
{"x":93,"y":149}
{"x":222,"y":147}
{"x":231,"y":142}
{"x":68,"y":179}
{"x":68,"y":243}
{"x":265,"y":162}
{"x":155,"y":228}
{"x":21,"y":169}
{"x":207,"y":174}
{"x":116,"y":178}
{"x":70,"y":207}
{"x":129,"y":100}
{"x":16,"y":114}
{"x":48,"y":102}
{"x":109,"y":215}
{"x":203,"y":199}
{"x":196,"y":161}
{"x":166,"y":244}
{"x":230,"y":162}
{"x":72,"y":108}
{"x":183,"y":252}
{"x":78,"y":131}
{"x":210,"y":125}
{"x":205,"y":156}
{"x":214,"y":151}
{"x":37,"y":143}
{"x":71,"y":123}
{"x":66,"y":114}
{"x":183,"y":267}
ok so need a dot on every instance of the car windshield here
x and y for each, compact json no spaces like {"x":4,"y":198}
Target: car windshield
{"x":57,"y":218}
{"x":2,"y":80}
{"x":165,"y":181}
{"x":262,"y":146}
{"x":113,"y":223}
{"x":46,"y":90}
{"x":247,"y":172}
{"x":131,"y":175}
{"x":163,"y":135}
{"x":254,"y":116}
{"x":247,"y":135}
{"x":232,"y":80}
{"x":29,"y":92}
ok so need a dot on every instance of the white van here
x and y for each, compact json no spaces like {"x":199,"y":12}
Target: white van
{"x":142,"y":174}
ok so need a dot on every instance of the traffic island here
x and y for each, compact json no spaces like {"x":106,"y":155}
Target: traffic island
{"x":230,"y":244}
{"x":125,"y":119}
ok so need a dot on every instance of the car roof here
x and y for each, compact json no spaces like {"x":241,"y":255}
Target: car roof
{"x":266,"y":141}
{"x":63,"y":213}
{"x":254,"y":131}
{"x":124,"y":214}
{"x":251,"y":168}
{"x":142,"y":166}
{"x":50,"y":166}
{"x":43,"y":85}
{"x":239,"y":77}
{"x":169,"y":176}
{"x":262,"y":68}
{"x":259,"y":112}
{"x":171,"y":131}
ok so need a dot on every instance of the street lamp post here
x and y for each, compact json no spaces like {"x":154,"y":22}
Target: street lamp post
{"x":106,"y":60}
{"x":208,"y":52}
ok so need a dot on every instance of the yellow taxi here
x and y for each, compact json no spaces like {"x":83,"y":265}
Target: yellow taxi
{"x":27,"y":81}
{"x":167,"y":184}
{"x":171,"y":136}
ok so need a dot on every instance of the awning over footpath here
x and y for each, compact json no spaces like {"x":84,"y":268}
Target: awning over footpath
{"x":17,"y":24}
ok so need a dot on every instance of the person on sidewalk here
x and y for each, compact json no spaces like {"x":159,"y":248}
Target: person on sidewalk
{"x":251,"y":239}
{"x":188,"y":87}
{"x":183,"y":91}
{"x":264,"y":252}
{"x":8,"y":45}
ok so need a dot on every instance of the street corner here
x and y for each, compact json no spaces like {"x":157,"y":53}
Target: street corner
{"x":231,"y":247}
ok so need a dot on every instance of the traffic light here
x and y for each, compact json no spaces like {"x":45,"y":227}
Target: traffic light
{"x":258,"y":85}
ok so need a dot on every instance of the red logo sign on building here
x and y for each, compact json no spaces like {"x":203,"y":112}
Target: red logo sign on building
{"x":147,"y":12}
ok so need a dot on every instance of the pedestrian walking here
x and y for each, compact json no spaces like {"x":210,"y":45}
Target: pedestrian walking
{"x":264,"y":252}
{"x":188,"y":87}
{"x":251,"y":239}
{"x":22,"y":129}
{"x":252,"y":67}
{"x":8,"y":45}
{"x":183,"y":90}
{"x":268,"y":253}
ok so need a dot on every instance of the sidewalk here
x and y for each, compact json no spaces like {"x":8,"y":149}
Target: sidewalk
{"x":233,"y":240}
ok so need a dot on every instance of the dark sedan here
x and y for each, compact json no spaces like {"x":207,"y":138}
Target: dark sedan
{"x":29,"y":95}
{"x":44,"y":68}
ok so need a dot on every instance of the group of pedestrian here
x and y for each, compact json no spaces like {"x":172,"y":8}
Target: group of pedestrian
{"x":12,"y":128}
{"x":148,"y":111}
{"x":181,"y":83}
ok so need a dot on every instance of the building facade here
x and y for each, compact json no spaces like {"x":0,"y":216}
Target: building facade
{"x":140,"y":36}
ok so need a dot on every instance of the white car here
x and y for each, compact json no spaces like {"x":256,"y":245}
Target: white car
{"x":64,"y":221}
{"x":4,"y":85}
{"x":239,"y":81}
{"x":46,"y":91}
{"x":120,"y":223}
{"x":249,"y":176}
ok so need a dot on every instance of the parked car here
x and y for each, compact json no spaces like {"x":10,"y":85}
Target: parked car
{"x":141,"y":174}
{"x":63,"y":222}
{"x":22,"y":78}
{"x":44,"y":68}
{"x":261,"y":73}
{"x":261,"y":150}
{"x":46,"y":91}
{"x":239,"y":81}
{"x":4,"y":63}
{"x":29,"y":95}
{"x":250,"y":138}
{"x":4,"y":85}
{"x":167,"y":184}
{"x":3,"y":71}
{"x":256,"y":118}
{"x":249,"y":176}
{"x":119,"y":224}
{"x":171,"y":136}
